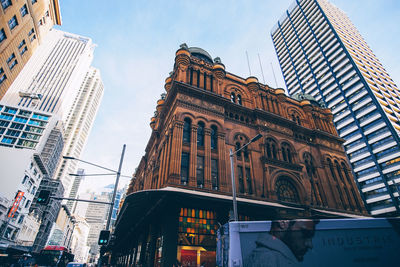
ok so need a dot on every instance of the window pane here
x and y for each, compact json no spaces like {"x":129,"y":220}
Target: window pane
{"x":200,"y":171}
{"x":185,"y":168}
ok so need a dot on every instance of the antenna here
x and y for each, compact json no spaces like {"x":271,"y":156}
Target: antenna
{"x":262,"y":72}
{"x":276,"y":83}
{"x":248,"y":64}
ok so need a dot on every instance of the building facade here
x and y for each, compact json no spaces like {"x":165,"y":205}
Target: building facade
{"x":30,"y":146}
{"x":58,"y":79}
{"x":24,"y":25}
{"x":181,"y":191}
{"x":321,"y":53}
{"x":78,"y":243}
{"x":96,"y":216}
{"x":74,"y":189}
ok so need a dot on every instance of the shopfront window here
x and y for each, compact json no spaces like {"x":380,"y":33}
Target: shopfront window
{"x":197,"y":237}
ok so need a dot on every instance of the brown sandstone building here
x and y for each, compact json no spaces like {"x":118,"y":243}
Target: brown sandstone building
{"x":182,"y":192}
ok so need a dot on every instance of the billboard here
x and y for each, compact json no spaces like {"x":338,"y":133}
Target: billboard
{"x":339,"y":242}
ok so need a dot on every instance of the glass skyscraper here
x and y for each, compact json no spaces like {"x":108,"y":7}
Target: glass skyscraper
{"x":322,"y":54}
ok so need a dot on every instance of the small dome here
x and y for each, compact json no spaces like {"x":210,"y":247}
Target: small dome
{"x":201,"y":54}
{"x":310,"y":98}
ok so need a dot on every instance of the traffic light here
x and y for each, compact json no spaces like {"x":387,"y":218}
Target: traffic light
{"x":44,"y":197}
{"x":104,"y":236}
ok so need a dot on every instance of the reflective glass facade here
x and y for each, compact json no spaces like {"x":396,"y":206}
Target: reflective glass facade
{"x":321,"y":53}
{"x":21,"y":128}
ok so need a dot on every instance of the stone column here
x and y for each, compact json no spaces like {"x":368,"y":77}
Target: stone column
{"x":176,"y":153}
{"x":167,"y":156}
{"x":207,"y":158}
{"x":193,"y":157}
{"x":161,"y":164}
{"x":333,"y":200}
{"x":222,"y":154}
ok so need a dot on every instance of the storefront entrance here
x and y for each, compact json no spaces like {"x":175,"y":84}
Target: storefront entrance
{"x":195,"y":256}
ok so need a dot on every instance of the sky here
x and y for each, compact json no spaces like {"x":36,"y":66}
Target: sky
{"x":136,"y":44}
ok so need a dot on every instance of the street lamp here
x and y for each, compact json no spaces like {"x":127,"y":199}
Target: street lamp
{"x":231,"y":155}
{"x":118,"y":173}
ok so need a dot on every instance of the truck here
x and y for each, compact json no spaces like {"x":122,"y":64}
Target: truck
{"x":310,"y":242}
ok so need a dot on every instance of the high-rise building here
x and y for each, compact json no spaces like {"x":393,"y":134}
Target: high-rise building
{"x":23,"y":26}
{"x":30,"y":147}
{"x":80,"y":175}
{"x":322,"y":54}
{"x":181,"y":191}
{"x":96,"y":217}
{"x":58,"y":79}
{"x":79,"y":122}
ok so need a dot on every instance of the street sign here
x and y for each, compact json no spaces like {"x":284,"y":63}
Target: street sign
{"x":15,"y":205}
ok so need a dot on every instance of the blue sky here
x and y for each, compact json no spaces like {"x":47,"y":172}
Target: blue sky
{"x":136,"y":44}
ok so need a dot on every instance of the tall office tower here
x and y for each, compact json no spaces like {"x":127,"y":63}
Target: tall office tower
{"x":321,"y":53}
{"x":23,"y":25}
{"x":75,"y":187}
{"x":79,"y":122}
{"x":58,"y":79}
{"x":96,"y":216}
{"x":30,"y":147}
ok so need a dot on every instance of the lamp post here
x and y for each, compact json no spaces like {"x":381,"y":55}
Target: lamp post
{"x":118,"y":174}
{"x":231,"y":156}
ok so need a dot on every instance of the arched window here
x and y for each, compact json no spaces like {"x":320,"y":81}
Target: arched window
{"x":286,"y":153}
{"x":268,"y":150}
{"x":309,"y":162}
{"x":248,"y":181}
{"x":337,"y":183}
{"x":233,"y":98}
{"x":346,"y":173}
{"x":298,"y":120}
{"x":238,"y":153}
{"x":200,"y":134}
{"x":214,"y":137}
{"x":186,"y":130}
{"x":332,"y":170}
{"x":286,"y":191}
{"x":271,"y":148}
{"x":246,"y":154}
{"x":339,"y":171}
{"x":239,"y":99}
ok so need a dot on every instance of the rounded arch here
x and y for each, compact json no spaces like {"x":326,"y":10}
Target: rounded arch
{"x":184,"y":115}
{"x":237,"y":90}
{"x":282,"y":178}
{"x":309,"y":163}
{"x":346,"y":171}
{"x":231,"y":135}
{"x":271,"y":147}
{"x":199,"y":119}
{"x":295,"y":115}
{"x":216,"y":123}
{"x":288,"y":152}
{"x":241,"y":137}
